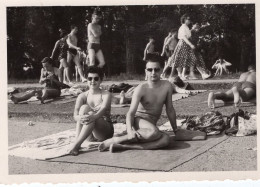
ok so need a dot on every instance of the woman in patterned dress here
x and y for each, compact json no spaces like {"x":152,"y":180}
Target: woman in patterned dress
{"x":184,"y":56}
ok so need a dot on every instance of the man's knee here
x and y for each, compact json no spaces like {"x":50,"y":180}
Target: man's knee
{"x":85,"y":109}
{"x":153,"y":134}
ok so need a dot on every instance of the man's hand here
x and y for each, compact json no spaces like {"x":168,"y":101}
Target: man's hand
{"x":133,"y":134}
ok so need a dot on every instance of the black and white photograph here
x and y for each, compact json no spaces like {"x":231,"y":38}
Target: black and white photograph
{"x":132,"y":89}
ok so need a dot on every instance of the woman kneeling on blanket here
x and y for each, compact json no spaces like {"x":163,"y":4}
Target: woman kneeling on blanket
{"x":92,"y":112}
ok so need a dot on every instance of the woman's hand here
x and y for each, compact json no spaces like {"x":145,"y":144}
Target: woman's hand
{"x":85,"y":119}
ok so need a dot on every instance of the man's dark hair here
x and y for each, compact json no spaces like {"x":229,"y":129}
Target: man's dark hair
{"x":251,"y":67}
{"x":184,"y":17}
{"x":97,"y":13}
{"x":155,"y":58}
{"x":47,"y":60}
{"x":73,"y":26}
{"x":97,"y":70}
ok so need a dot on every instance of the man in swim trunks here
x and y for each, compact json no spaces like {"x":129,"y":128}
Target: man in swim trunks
{"x":73,"y":54}
{"x":244,"y":89}
{"x":94,"y":33}
{"x":145,"y":110}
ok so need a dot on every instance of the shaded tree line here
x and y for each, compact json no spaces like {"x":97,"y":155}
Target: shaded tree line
{"x":33,"y":31}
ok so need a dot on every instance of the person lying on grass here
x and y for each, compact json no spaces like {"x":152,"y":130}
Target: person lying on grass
{"x":92,"y":112}
{"x":145,"y":110}
{"x":244,"y":89}
{"x":49,"y":77}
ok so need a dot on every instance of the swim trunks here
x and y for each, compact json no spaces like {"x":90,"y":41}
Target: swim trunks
{"x":238,"y":85}
{"x":247,"y":84}
{"x":151,"y":118}
{"x":95,"y":46}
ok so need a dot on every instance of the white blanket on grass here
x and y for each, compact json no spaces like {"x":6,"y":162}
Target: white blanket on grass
{"x":57,"y":145}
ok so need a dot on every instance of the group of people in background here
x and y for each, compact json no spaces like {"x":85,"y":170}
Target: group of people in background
{"x":69,"y":52}
{"x":182,"y":51}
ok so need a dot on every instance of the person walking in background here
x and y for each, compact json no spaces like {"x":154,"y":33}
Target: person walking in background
{"x":94,"y":33}
{"x":200,"y":64}
{"x":183,"y":55}
{"x":168,"y":48}
{"x":62,"y":47}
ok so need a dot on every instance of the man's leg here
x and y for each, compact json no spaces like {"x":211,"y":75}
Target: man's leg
{"x":27,"y":95}
{"x":163,"y":141}
{"x":228,"y":95}
{"x":70,"y":59}
{"x":100,"y":58}
{"x":79,"y":67}
{"x":148,"y":133}
{"x":92,"y":57}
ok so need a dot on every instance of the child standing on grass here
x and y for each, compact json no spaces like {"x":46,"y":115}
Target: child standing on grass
{"x":49,"y":77}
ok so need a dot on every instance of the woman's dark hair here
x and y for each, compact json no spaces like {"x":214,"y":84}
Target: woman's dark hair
{"x":73,"y":26}
{"x":63,"y":33}
{"x":97,"y":13}
{"x":97,"y":70}
{"x":184,"y":17}
{"x":47,"y":60}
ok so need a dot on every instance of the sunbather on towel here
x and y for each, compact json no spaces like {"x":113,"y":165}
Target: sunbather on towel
{"x":49,"y":77}
{"x":92,"y":112}
{"x":145,"y":110}
{"x":244,"y":89}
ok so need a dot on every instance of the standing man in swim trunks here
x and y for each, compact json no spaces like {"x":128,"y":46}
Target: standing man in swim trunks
{"x":168,"y":48}
{"x":94,"y":33}
{"x":145,"y":110}
{"x":73,"y":54}
{"x":244,"y":89}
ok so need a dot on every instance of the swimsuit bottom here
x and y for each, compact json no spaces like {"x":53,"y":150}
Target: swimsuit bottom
{"x":243,"y":85}
{"x":73,"y":51}
{"x":249,"y":85}
{"x":95,"y":46}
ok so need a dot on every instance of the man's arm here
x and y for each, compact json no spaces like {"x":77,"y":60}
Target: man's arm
{"x":132,"y":110}
{"x":170,"y":110}
{"x":70,"y":43}
{"x":95,"y":32}
{"x":145,"y":50}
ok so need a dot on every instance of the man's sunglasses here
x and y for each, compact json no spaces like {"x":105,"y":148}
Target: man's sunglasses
{"x":95,"y":78}
{"x":153,"y":69}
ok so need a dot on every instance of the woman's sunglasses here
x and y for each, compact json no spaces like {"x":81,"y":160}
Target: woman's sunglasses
{"x":153,"y":69}
{"x":95,"y":78}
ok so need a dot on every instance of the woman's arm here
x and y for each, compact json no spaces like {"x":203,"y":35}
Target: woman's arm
{"x":55,"y":49}
{"x":42,"y":79}
{"x":105,"y":105}
{"x":79,"y":103}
